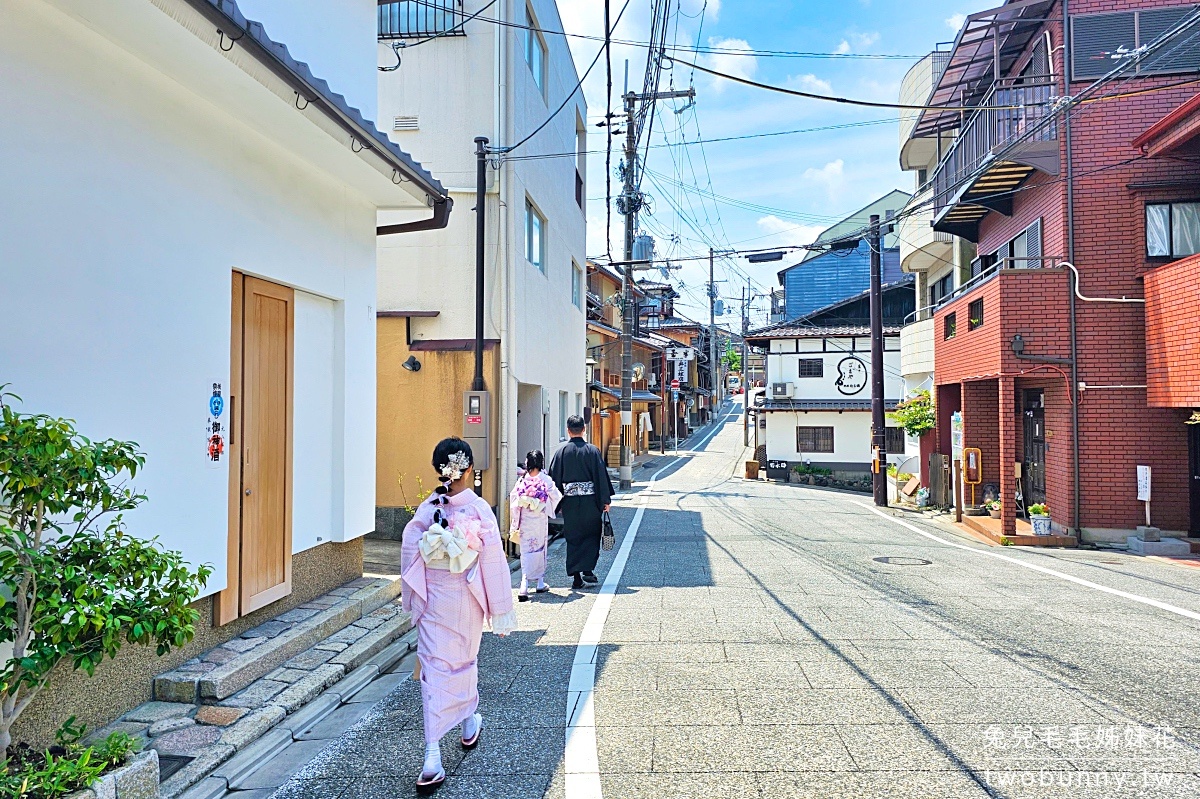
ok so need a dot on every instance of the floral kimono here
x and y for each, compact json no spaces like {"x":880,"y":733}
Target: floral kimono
{"x":456,"y":581}
{"x":533,"y":500}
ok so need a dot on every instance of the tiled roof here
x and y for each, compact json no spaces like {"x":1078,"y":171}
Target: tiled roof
{"x":824,"y":405}
{"x":300,"y":71}
{"x":800,"y":329}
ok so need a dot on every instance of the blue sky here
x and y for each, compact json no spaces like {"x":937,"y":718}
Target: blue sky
{"x":800,"y":183}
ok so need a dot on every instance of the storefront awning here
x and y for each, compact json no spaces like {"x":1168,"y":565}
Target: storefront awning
{"x":639,"y":395}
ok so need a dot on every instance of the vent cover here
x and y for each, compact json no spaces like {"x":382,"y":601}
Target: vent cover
{"x":405,"y":123}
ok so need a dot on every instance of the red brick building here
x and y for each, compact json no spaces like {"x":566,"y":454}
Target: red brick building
{"x":1049,"y":367}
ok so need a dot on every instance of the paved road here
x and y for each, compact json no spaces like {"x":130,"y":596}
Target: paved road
{"x":754,"y":644}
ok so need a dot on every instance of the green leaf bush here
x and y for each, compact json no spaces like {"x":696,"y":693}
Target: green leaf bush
{"x":74,"y":585}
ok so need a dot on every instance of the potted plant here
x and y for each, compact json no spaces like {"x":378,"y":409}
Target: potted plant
{"x":994,"y":508}
{"x":1039,"y":517}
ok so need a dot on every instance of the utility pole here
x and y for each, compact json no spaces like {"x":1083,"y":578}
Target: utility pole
{"x":712,"y":335}
{"x":878,"y":421}
{"x":629,"y":203}
{"x":747,"y":297}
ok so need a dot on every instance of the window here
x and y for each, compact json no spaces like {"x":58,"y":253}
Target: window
{"x":922,"y":177}
{"x":949,"y":326}
{"x":562,"y":415}
{"x":535,"y":51}
{"x":894,"y":440}
{"x":411,"y":18}
{"x":812,"y":367}
{"x":576,"y":285}
{"x":535,"y":237}
{"x":941,"y":288}
{"x":975,"y":314}
{"x":1096,"y":38}
{"x":1172,"y":230}
{"x":814,"y":439}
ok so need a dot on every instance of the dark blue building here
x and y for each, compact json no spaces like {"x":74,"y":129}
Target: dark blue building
{"x":833,"y":276}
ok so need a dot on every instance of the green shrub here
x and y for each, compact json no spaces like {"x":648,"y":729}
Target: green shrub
{"x":66,"y":767}
{"x":915,"y":414}
{"x":74,"y":585}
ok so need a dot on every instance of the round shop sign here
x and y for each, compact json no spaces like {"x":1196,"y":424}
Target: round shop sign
{"x":852,"y":375}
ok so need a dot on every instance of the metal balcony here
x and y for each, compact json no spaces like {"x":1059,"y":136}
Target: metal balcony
{"x":1011,"y":134}
{"x":419,"y":18}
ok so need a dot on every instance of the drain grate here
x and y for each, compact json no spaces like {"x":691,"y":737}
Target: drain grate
{"x":169,"y":764}
{"x":904,"y":561}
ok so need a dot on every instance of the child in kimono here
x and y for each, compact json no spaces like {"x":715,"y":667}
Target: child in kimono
{"x":455,"y":581}
{"x":531,"y":503}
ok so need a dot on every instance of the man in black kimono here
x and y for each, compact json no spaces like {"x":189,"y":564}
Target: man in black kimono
{"x":578,"y":470}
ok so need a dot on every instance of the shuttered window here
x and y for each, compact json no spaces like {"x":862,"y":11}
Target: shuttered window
{"x":814,"y":439}
{"x":894,"y":440}
{"x":1098,"y":42}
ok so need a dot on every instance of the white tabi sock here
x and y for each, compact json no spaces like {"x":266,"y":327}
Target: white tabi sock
{"x":433,"y":760}
{"x":524,"y":585}
{"x":471,"y":725}
{"x":541,"y":583}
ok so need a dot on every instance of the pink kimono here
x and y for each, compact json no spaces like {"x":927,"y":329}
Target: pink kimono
{"x":531,"y":503}
{"x":454,"y":582}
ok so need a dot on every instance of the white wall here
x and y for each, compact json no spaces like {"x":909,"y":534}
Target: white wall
{"x":461,"y":87}
{"x":335,"y":37}
{"x":851,"y":436}
{"x":118,"y":245}
{"x":783,"y":366}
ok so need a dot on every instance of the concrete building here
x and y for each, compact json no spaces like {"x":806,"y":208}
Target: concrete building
{"x":1042,"y":353}
{"x":486,"y":76}
{"x":196,"y":273}
{"x":817,"y":408}
{"x":940,"y":262}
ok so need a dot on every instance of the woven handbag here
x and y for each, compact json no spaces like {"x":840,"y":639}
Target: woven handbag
{"x":608,"y":539}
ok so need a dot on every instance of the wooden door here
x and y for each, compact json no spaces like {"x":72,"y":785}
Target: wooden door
{"x":260,"y":446}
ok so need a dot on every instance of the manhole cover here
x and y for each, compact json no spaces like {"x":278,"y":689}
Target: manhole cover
{"x":904,"y":561}
{"x":169,"y":764}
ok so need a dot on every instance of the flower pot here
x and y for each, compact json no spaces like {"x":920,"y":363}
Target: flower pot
{"x":1041,"y":524}
{"x":995,"y":514}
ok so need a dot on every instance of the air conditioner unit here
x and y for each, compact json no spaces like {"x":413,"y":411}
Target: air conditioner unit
{"x":782,"y":390}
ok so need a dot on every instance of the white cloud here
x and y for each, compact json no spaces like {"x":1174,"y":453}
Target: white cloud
{"x":857,"y":43}
{"x":778,"y":233}
{"x":809,"y":83}
{"x":831,"y":176}
{"x":955,"y":21}
{"x":742,"y":66}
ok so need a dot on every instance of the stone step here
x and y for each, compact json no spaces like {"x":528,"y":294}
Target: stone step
{"x":284,"y":701}
{"x":232,"y":666}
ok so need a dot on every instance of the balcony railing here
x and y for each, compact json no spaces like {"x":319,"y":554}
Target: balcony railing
{"x":419,"y":18}
{"x":927,"y":312}
{"x":1006,"y":113}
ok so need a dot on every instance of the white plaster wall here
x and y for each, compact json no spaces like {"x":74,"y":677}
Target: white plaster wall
{"x":116,"y":248}
{"x":851,"y":436}
{"x":335,"y":37}
{"x":313,"y":417}
{"x":461,"y":87}
{"x":783,"y":366}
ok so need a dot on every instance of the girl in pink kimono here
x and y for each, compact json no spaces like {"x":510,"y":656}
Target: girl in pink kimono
{"x":456,"y":581}
{"x":531,"y":503}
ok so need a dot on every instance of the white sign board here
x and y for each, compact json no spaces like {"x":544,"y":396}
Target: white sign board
{"x":1143,"y":474}
{"x":681,"y":354}
{"x":681,"y":371}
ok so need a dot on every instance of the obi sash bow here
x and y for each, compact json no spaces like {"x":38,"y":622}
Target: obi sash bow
{"x":441,"y":544}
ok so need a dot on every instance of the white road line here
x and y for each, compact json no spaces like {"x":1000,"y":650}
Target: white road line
{"x":581,"y":759}
{"x":1189,"y":614}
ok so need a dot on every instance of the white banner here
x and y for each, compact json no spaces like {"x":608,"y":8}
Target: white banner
{"x":681,"y":371}
{"x":681,"y":354}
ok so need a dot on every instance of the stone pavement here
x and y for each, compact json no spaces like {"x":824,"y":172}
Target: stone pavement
{"x":778,"y":641}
